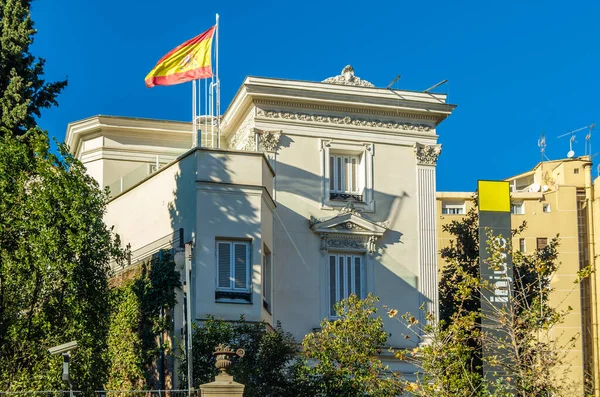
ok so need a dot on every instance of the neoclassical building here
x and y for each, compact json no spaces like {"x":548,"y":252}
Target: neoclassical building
{"x":316,"y":191}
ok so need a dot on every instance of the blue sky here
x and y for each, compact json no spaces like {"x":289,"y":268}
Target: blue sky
{"x":515,"y":68}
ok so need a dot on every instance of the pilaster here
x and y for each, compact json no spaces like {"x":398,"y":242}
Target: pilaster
{"x":426,"y":157}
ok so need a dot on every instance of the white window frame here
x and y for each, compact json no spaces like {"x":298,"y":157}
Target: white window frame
{"x":232,"y":244}
{"x":453,"y":208}
{"x":267,"y":279}
{"x":515,"y":211}
{"x":524,"y":247}
{"x":341,"y":291}
{"x":361,"y":150}
{"x":546,"y":208}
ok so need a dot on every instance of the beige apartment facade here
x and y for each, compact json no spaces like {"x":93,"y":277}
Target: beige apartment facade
{"x":298,"y":207}
{"x":555,"y":198}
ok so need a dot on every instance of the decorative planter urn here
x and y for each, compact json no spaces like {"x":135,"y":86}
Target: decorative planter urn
{"x":223,"y":353}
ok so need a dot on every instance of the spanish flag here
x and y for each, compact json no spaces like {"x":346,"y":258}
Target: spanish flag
{"x":189,"y":61}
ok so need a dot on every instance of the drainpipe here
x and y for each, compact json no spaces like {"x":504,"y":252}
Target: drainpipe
{"x":589,"y":196}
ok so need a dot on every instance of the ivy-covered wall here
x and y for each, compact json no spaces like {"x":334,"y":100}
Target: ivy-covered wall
{"x":140,"y":353}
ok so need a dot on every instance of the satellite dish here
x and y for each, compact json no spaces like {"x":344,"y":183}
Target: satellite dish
{"x":570,"y":154}
{"x":545,"y":188}
{"x":535,"y":188}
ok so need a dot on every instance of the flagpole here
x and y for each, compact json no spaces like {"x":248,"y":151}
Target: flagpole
{"x":194,"y":118}
{"x":218,"y":109}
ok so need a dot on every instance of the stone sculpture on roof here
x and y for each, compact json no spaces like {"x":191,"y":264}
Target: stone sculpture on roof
{"x":347,"y":77}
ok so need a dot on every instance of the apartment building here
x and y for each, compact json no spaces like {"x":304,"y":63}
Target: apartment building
{"x":554,"y":198}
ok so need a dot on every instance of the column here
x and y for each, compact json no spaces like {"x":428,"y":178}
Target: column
{"x":427,"y":156}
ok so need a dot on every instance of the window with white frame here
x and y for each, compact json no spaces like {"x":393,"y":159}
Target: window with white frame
{"x":517,"y":208}
{"x":346,"y":275}
{"x":453,"y":208}
{"x":266,"y":279}
{"x":345,"y":179}
{"x":348,"y":169}
{"x":233,"y":267}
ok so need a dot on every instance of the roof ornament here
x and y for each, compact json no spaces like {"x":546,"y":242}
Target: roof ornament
{"x":347,"y":77}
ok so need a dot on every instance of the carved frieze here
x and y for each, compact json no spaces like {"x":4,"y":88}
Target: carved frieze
{"x":347,"y":77}
{"x":344,"y":242}
{"x":346,"y":120}
{"x":348,"y":242}
{"x":427,"y":154}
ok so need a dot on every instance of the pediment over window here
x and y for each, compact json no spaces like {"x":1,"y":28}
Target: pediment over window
{"x":348,"y":223}
{"x":348,"y":230}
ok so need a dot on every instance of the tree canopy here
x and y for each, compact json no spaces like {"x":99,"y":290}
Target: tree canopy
{"x":23,"y":91}
{"x":346,"y":355}
{"x":54,"y":259}
{"x":527,"y":351}
{"x":54,"y":246}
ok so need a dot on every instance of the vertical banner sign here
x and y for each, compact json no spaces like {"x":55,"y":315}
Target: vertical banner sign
{"x":494,"y":218}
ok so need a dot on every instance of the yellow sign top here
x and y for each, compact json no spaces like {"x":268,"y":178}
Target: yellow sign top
{"x":494,"y":196}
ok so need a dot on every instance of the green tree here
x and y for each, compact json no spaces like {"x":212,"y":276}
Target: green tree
{"x":534,"y":363}
{"x":23,"y":91}
{"x":264,"y":369}
{"x":342,"y":359}
{"x":55,"y":252}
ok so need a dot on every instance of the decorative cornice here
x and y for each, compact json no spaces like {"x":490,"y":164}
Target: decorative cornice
{"x":347,"y":77}
{"x":427,"y":154}
{"x":345,"y":110}
{"x":347,"y":120}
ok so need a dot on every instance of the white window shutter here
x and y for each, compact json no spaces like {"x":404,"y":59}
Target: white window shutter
{"x":240,"y":266}
{"x":224,"y":265}
{"x":357,"y":277}
{"x":267,"y":278}
{"x":332,"y":285}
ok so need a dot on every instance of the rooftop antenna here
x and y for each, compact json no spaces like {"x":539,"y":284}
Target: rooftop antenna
{"x":436,"y":85}
{"x":571,"y":153}
{"x":588,"y":139}
{"x":542,"y":146}
{"x":393,"y":81}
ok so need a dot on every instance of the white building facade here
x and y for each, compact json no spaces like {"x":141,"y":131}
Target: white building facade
{"x":318,"y":190}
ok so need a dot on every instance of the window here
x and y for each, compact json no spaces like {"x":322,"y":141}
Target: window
{"x":541,"y":243}
{"x":233,"y":270}
{"x":522,"y":244}
{"x":347,"y":174}
{"x":546,"y":207}
{"x":344,"y":177}
{"x":576,"y":171}
{"x":517,"y":208}
{"x":456,"y":208}
{"x":345,"y":278}
{"x":266,"y":279}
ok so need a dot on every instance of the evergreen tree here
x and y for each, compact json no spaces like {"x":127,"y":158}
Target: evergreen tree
{"x":54,"y":246}
{"x":23,"y":91}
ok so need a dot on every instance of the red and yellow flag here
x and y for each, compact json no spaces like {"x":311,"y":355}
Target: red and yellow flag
{"x":189,"y":61}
